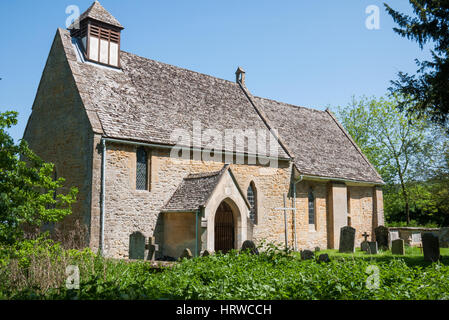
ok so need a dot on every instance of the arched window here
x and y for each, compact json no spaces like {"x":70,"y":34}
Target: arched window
{"x":141,"y":169}
{"x":311,"y":207}
{"x":252,"y":199}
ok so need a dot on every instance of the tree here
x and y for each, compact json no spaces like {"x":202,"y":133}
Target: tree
{"x":392,"y":141}
{"x":427,"y":92}
{"x":27,"y":187}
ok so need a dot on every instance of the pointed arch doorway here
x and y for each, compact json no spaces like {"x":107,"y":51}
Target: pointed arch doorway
{"x":224,"y":228}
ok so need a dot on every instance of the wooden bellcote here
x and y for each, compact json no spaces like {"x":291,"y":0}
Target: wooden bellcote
{"x":99,"y":33}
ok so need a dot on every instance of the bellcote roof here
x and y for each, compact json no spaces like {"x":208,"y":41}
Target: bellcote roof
{"x":98,"y":13}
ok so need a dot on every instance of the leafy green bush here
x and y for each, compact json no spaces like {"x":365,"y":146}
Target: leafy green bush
{"x":273,"y":274}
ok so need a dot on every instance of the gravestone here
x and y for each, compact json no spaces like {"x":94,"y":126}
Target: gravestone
{"x":372,"y":247}
{"x":381,"y":233}
{"x":307,"y":254}
{"x":324,"y":257}
{"x":186,"y":254}
{"x":443,"y":238}
{"x":397,"y":247}
{"x":416,"y":237}
{"x":205,"y":253}
{"x":431,"y":247}
{"x":152,"y":248}
{"x":136,"y":246}
{"x":394,"y":235}
{"x":364,"y":246}
{"x":249,"y":245}
{"x":347,"y":240}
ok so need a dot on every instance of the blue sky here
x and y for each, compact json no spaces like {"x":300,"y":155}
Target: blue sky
{"x":308,"y":53}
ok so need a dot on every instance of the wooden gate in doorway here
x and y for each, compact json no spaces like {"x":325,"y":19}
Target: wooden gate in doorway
{"x":224,"y":228}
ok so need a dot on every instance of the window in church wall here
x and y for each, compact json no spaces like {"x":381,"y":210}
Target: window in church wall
{"x":252,"y":199}
{"x":142,"y":169}
{"x":312,"y":210}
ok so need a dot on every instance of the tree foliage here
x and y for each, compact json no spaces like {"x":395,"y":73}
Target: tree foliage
{"x":405,"y":149}
{"x":427,"y":92}
{"x":29,"y":194}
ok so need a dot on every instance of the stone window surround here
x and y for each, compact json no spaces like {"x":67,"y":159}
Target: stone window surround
{"x":252,"y":185}
{"x":312,"y":226}
{"x":148,"y":169}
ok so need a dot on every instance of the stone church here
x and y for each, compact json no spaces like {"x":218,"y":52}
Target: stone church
{"x":134,"y":136}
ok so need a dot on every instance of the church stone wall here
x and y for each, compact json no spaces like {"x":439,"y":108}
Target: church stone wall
{"x":59,"y":131}
{"x":129,"y":210}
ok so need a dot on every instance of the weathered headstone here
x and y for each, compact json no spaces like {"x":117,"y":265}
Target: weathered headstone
{"x":364,"y":246}
{"x":205,"y":253}
{"x":152,"y":248}
{"x":186,"y":254}
{"x":249,"y":245}
{"x":416,"y":237}
{"x":393,"y":235}
{"x":136,"y":246}
{"x":381,"y":233}
{"x":397,"y":247}
{"x":307,"y":254}
{"x":347,"y":240}
{"x":431,"y":247}
{"x":372,"y":247}
{"x":443,"y":238}
{"x":324,"y":257}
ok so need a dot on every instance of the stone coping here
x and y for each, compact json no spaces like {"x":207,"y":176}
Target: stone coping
{"x":413,"y":229}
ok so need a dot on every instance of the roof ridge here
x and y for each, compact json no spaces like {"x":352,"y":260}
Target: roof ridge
{"x":177,"y":67}
{"x":290,"y":104}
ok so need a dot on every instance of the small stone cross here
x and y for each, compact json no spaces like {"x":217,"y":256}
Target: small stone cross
{"x":365,"y":235}
{"x":152,"y":248}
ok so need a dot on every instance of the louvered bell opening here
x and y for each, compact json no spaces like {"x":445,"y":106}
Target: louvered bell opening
{"x":104,"y":44}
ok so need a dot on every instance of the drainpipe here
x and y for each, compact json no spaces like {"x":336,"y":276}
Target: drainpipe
{"x":294,"y":211}
{"x":103,"y":193}
{"x":196,"y":231}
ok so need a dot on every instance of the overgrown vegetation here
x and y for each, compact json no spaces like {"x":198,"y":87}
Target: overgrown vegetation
{"x":36,"y":270}
{"x":29,"y":193}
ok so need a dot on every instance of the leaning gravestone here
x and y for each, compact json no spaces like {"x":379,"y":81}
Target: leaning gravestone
{"x":186,"y":254}
{"x":347,"y":240}
{"x":152,"y":248}
{"x":249,"y":245}
{"x":443,"y":238}
{"x":136,"y":246}
{"x":397,"y":247}
{"x":307,"y":254}
{"x":381,"y":233}
{"x":431,"y":247}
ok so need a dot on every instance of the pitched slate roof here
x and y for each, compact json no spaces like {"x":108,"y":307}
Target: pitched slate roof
{"x":319,"y":143}
{"x":194,"y":191}
{"x":97,"y":12}
{"x":147,"y":99}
